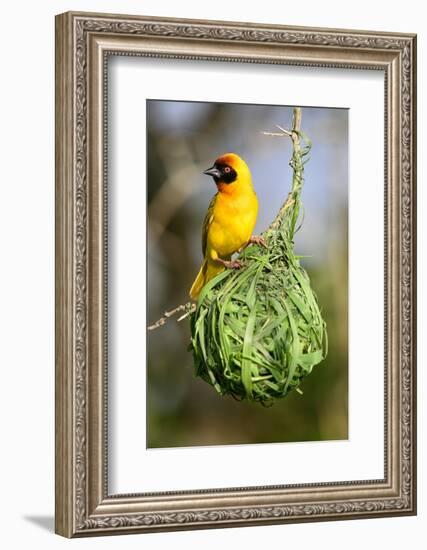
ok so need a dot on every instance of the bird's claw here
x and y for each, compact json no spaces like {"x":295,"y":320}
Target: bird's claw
{"x":233,"y":264}
{"x":259,"y":240}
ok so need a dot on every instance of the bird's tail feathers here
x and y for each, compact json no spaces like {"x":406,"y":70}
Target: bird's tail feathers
{"x":199,"y":282}
{"x":206,"y":273}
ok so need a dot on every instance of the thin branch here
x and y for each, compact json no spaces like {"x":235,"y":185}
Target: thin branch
{"x":189,"y":307}
{"x":274,"y":134}
{"x":286,"y":132}
{"x":189,"y":312}
{"x":295,"y":136}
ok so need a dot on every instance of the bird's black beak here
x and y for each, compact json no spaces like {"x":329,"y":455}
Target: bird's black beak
{"x":214,"y":172}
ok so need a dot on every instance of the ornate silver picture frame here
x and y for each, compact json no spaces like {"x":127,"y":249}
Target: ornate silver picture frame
{"x":84,"y":42}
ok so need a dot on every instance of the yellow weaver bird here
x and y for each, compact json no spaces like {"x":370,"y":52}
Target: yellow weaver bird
{"x":230,"y":219}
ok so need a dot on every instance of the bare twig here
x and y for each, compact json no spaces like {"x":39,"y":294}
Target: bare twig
{"x":189,"y":307}
{"x":274,"y":134}
{"x":287,"y":132}
{"x":295,"y":136}
{"x":283,"y":132}
{"x":189,"y":312}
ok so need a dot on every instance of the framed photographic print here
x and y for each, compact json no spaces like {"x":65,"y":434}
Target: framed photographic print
{"x":235,"y":274}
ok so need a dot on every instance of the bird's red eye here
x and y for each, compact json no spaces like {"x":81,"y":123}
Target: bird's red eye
{"x":227,"y":169}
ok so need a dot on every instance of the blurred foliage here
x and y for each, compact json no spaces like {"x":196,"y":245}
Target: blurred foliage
{"x":183,"y":139}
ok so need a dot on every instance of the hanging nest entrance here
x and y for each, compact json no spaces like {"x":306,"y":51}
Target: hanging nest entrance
{"x":257,"y":332}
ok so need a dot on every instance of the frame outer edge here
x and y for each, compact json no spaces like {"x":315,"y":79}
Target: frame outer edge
{"x":74,"y":505}
{"x":413,"y":253}
{"x":415,"y":267}
{"x":64,"y":275}
{"x":231,"y":24}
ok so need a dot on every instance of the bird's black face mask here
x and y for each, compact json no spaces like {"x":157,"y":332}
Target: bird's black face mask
{"x":222,"y":173}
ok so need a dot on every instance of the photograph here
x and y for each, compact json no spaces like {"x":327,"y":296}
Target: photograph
{"x":247,"y":273}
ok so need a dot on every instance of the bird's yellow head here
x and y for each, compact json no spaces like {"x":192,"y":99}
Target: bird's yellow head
{"x":230,"y":172}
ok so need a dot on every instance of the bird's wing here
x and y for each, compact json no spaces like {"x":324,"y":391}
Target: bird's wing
{"x":207,"y":223}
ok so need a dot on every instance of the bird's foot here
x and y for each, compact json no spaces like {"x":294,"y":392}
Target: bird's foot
{"x":259,"y":240}
{"x":231,"y":264}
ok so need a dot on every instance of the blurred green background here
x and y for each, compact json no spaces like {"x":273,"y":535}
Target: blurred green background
{"x":184,"y":138}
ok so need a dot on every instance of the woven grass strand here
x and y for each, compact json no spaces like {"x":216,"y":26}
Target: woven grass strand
{"x":258,"y":331}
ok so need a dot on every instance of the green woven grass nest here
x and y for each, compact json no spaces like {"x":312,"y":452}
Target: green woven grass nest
{"x":257,"y":332}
